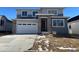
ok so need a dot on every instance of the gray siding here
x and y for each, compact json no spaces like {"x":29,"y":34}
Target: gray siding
{"x":50,"y":28}
{"x":29,"y":11}
{"x":45,"y":10}
{"x":8,"y":26}
{"x":2,"y":27}
{"x":40,"y":11}
{"x":20,"y":17}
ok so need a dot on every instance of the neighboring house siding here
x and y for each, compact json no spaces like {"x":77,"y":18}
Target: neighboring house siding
{"x":6,"y":26}
{"x":2,"y":27}
{"x":9,"y":26}
{"x":74,"y":27}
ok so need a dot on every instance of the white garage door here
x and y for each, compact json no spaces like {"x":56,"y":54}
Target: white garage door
{"x":27,"y":28}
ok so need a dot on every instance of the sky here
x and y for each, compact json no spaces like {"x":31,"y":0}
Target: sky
{"x":10,"y":12}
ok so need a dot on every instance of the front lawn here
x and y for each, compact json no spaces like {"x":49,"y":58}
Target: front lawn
{"x":56,"y":44}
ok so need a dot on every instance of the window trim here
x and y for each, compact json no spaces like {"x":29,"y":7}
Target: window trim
{"x":32,"y":13}
{"x":58,"y":26}
{"x":52,"y":10}
{"x":22,"y":15}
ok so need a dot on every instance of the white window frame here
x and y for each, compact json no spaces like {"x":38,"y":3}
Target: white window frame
{"x":52,"y":10}
{"x":58,"y":26}
{"x":22,"y":15}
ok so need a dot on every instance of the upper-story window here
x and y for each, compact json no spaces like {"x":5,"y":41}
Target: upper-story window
{"x":24,"y":13}
{"x":52,"y":12}
{"x":34,"y":12}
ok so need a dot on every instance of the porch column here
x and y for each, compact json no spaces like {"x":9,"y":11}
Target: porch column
{"x":39,"y":25}
{"x":49,"y":25}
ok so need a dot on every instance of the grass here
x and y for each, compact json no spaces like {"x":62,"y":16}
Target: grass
{"x":55,"y":42}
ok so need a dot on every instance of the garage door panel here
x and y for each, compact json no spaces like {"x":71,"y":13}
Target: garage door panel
{"x":28,"y":28}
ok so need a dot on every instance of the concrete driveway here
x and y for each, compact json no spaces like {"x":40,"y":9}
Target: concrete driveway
{"x":16,"y":43}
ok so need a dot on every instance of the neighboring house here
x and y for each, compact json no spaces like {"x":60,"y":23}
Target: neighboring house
{"x":45,"y":19}
{"x":73,"y":24}
{"x":5,"y":25}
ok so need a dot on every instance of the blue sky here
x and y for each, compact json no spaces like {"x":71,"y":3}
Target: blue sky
{"x":10,"y":12}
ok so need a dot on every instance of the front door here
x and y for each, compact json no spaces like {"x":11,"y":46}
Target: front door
{"x":43,"y":24}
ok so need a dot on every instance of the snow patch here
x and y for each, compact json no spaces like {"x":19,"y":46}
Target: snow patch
{"x":62,"y":48}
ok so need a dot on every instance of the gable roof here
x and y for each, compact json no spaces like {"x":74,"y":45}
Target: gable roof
{"x":74,"y":18}
{"x":5,"y":17}
{"x":1,"y":17}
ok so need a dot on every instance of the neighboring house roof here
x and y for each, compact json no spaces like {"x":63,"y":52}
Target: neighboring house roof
{"x":5,"y":17}
{"x":0,"y":17}
{"x":74,"y":19}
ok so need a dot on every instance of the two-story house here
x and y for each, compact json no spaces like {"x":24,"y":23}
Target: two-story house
{"x":45,"y":19}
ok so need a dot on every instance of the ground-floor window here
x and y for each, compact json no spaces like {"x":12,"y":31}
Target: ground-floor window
{"x":58,"y":22}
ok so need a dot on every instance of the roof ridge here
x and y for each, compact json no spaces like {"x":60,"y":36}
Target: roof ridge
{"x":73,"y":18}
